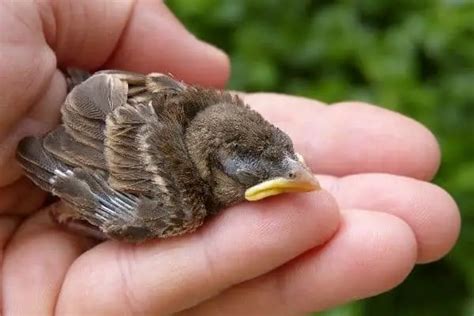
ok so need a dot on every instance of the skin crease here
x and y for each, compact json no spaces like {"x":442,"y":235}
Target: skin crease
{"x":346,"y":239}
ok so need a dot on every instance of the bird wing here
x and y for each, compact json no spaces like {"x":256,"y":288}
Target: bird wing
{"x":109,"y":123}
{"x":100,"y":99}
{"x":112,"y":143}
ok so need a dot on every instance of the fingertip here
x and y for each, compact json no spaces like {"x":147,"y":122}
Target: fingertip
{"x":443,"y":222}
{"x":328,"y":210}
{"x":432,"y":153}
{"x":427,"y":151}
{"x":389,"y":249}
{"x":219,"y":73}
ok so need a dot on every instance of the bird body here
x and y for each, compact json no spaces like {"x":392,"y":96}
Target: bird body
{"x":145,"y":156}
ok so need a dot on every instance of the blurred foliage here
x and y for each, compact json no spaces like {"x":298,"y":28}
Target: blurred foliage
{"x":415,"y":57}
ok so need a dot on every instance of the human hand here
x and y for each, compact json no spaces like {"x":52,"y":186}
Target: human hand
{"x":286,"y":255}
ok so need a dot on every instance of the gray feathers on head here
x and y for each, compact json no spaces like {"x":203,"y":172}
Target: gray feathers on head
{"x":145,"y":156}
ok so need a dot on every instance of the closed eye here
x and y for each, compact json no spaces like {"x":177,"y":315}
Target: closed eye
{"x":247,"y":177}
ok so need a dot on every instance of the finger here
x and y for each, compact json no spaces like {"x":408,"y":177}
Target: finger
{"x":162,"y":277}
{"x":352,"y":137}
{"x":26,"y":64}
{"x":28,"y":74}
{"x":35,"y":263}
{"x":371,"y":253}
{"x":431,"y":212}
{"x":21,"y":197}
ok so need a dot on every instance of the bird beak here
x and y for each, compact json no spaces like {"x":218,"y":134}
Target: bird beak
{"x":301,"y":180}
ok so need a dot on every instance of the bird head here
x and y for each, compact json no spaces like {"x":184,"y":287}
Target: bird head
{"x":244,"y":157}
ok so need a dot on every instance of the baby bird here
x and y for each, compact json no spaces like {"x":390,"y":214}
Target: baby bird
{"x":139,"y":156}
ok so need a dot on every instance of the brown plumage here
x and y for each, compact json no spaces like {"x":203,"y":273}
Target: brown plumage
{"x":145,"y":156}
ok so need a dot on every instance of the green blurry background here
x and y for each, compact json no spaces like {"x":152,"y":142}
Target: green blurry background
{"x":415,"y":57}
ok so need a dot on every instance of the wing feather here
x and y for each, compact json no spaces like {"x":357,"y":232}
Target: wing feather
{"x":37,"y":162}
{"x":62,"y":145}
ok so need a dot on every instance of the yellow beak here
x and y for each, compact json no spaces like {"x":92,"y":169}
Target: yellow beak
{"x":302,"y":180}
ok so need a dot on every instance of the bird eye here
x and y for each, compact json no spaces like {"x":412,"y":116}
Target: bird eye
{"x":246,"y":176}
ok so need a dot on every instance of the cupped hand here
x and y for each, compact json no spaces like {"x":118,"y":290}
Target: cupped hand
{"x":377,"y":217}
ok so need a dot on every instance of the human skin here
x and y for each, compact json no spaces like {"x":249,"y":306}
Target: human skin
{"x":376,"y":218}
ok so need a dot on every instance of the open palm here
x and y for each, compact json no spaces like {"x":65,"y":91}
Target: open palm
{"x":282,"y":256}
